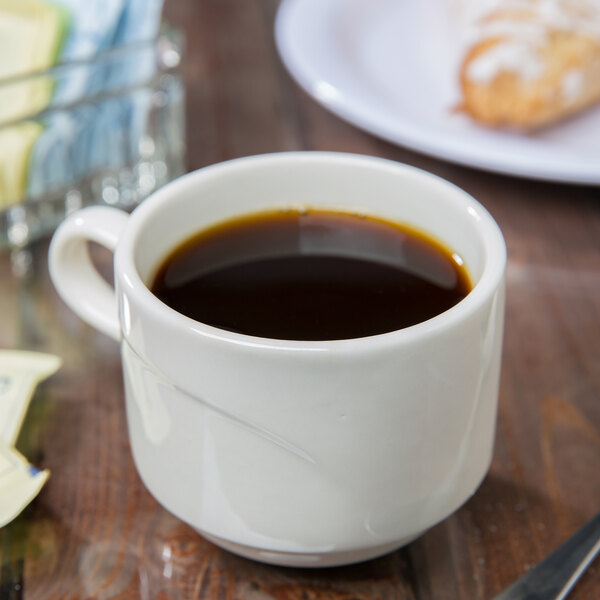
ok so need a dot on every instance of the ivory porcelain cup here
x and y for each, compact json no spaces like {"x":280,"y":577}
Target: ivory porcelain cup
{"x":291,"y":452}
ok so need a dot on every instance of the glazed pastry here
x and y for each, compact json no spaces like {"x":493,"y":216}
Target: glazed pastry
{"x":528,"y":63}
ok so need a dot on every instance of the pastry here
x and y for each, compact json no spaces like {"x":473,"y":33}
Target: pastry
{"x":529,"y":63}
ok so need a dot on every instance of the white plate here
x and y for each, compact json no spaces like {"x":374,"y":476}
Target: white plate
{"x":387,"y":67}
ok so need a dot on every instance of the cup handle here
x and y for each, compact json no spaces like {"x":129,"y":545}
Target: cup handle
{"x":72,"y":272}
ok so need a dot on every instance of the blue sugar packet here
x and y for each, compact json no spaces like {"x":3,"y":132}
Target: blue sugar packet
{"x":103,"y":133}
{"x":98,"y":26}
{"x":84,"y":140}
{"x":94,"y":24}
{"x":139,"y":22}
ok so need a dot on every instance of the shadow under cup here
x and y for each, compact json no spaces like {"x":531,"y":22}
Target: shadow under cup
{"x":311,"y":453}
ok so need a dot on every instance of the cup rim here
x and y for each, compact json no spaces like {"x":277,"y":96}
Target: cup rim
{"x":489,"y":282}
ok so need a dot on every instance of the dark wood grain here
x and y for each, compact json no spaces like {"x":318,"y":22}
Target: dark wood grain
{"x":96,"y":533}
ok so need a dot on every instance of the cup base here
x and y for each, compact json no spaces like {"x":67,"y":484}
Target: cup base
{"x":308,"y":559}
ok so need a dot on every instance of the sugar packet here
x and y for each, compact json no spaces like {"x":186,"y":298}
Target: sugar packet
{"x":20,"y":372}
{"x":20,"y":483}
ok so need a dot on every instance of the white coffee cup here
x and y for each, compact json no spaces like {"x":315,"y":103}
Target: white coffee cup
{"x":298,"y":453}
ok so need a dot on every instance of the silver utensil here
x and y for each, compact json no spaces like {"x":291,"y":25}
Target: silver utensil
{"x":555,"y":576}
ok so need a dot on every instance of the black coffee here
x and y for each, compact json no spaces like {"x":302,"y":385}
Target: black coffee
{"x":314,"y":275}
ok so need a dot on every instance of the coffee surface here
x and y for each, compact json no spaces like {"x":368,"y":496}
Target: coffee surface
{"x":311,"y":275}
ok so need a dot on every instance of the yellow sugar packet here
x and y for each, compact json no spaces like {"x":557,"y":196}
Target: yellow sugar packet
{"x":20,"y":372}
{"x":31,"y":35}
{"x":20,"y":483}
{"x":16,"y":144}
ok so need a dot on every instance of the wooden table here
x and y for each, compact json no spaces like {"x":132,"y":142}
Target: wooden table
{"x":95,"y":532}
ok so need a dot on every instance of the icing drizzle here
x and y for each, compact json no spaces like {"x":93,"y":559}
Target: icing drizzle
{"x":522,"y":27}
